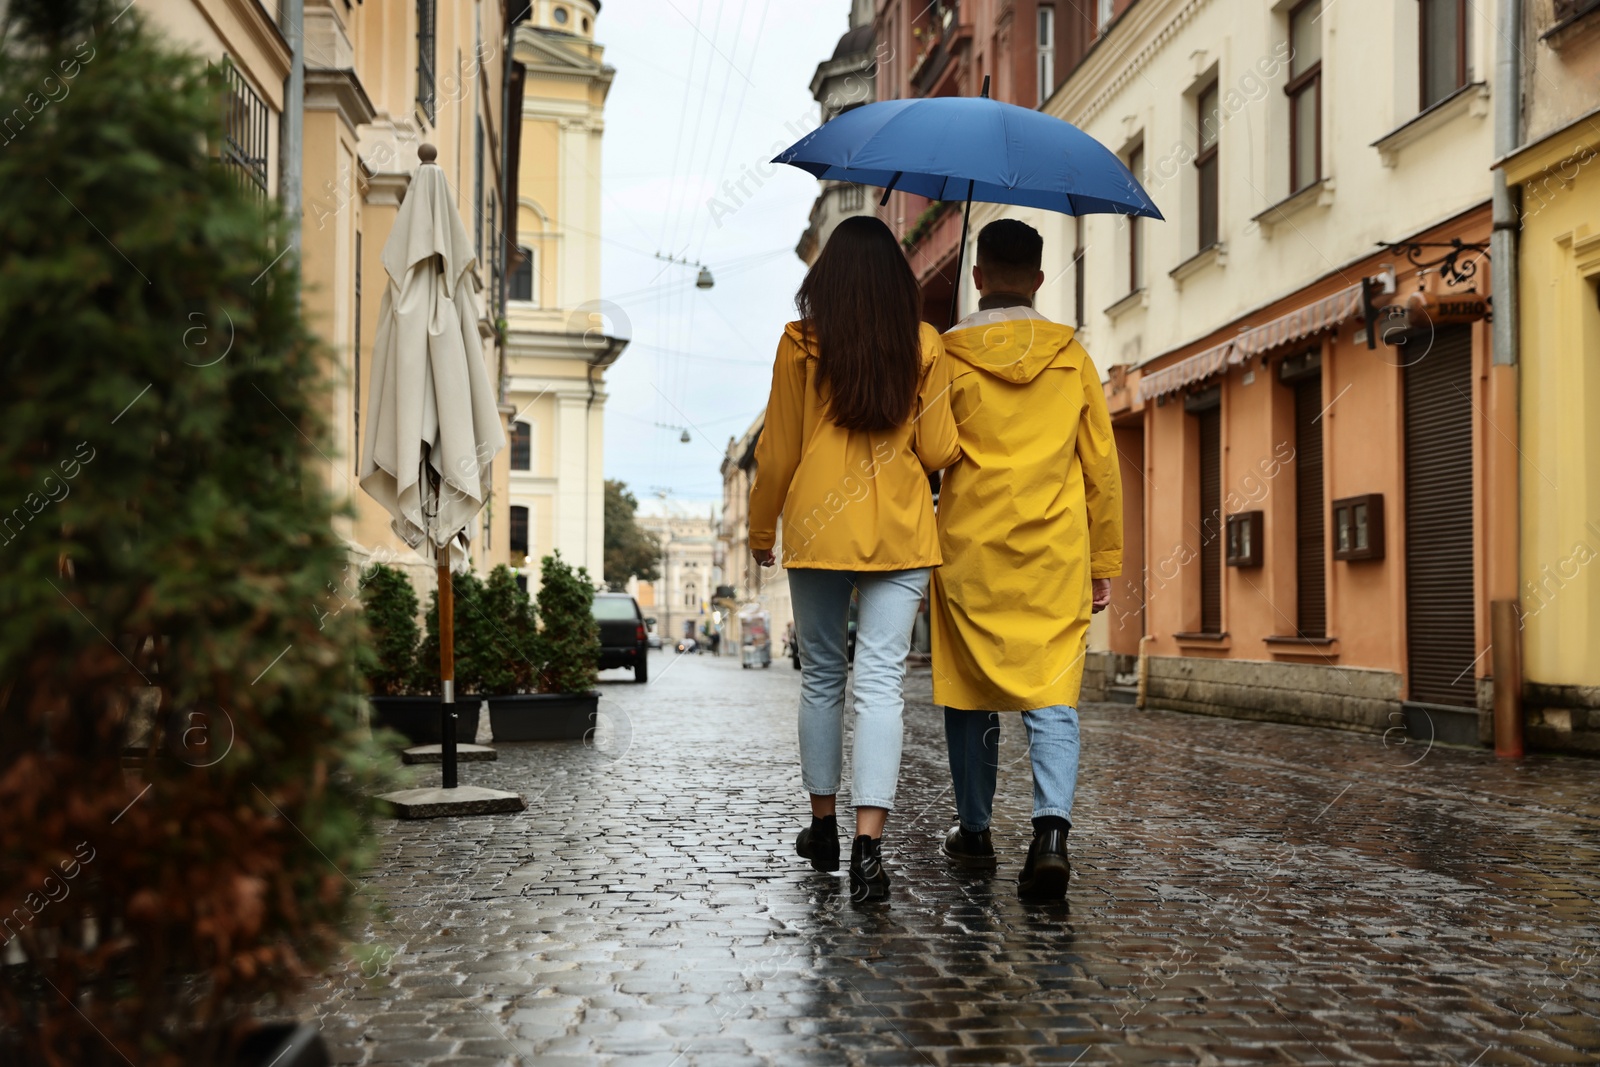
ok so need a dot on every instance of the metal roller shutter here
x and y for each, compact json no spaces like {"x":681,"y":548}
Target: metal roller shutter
{"x":1310,"y":524}
{"x":1438,"y":497}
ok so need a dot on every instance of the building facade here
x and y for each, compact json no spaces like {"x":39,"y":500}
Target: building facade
{"x":754,"y":588}
{"x":1555,"y":173}
{"x":560,"y":337}
{"x":846,"y":80}
{"x":683,"y":599}
{"x":379,"y":80}
{"x":1025,"y":48}
{"x":1318,"y":450}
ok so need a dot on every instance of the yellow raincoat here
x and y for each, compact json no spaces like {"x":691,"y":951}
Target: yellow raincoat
{"x":1029,"y":515}
{"x":850,"y":500}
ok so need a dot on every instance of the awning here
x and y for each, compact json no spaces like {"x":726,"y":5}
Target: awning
{"x":1314,"y":318}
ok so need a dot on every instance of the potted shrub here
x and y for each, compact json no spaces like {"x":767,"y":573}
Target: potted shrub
{"x":179,"y":543}
{"x":422,"y":723}
{"x":568,"y":648}
{"x":398,"y":684}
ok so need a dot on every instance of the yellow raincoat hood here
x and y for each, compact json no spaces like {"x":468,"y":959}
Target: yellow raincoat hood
{"x":1015,"y":349}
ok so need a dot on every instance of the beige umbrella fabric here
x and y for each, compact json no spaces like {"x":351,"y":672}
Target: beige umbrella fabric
{"x":430,"y":400}
{"x":433,"y":431}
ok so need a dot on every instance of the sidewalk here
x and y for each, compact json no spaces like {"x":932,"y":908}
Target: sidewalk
{"x":1242,"y":893}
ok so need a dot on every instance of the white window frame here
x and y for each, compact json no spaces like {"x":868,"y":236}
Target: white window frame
{"x":1046,"y":66}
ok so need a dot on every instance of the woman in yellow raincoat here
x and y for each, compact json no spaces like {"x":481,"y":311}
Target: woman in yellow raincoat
{"x":1030,"y":521}
{"x":859,"y":415}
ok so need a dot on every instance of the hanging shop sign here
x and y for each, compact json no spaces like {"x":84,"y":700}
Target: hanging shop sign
{"x":1394,"y":319}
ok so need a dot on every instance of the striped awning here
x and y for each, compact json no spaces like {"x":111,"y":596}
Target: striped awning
{"x":1314,"y":318}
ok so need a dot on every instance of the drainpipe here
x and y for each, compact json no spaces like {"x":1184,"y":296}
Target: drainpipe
{"x":290,"y":166}
{"x":1505,"y":629}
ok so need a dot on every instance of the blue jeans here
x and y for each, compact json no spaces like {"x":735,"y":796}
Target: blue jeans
{"x":886,"y":608}
{"x":974,"y":740}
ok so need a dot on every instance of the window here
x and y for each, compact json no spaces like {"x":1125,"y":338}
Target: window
{"x":1311,"y":584}
{"x":521,"y":446}
{"x":426,"y":96}
{"x":850,"y":198}
{"x":1047,"y":53}
{"x":1305,"y":95}
{"x":561,"y":16}
{"x":519,"y":533}
{"x":522,"y":275}
{"x":477,"y":189}
{"x":1446,"y":36}
{"x":1211,"y":524}
{"x":1103,"y":17}
{"x":1208,"y":119}
{"x":1135,"y":230}
{"x":356,"y":358}
{"x":244,"y":131}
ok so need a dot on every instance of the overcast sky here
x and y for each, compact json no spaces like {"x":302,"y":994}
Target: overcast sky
{"x":704,"y":90}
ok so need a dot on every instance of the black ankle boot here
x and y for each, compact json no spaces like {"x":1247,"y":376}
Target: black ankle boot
{"x":819,"y":843}
{"x":1044,"y":875}
{"x":868,"y":879}
{"x":971,"y":850}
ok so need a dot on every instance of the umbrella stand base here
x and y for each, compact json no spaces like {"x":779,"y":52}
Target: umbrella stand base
{"x":434,"y":753}
{"x":434,"y":803}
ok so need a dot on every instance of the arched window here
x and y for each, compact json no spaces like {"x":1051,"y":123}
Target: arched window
{"x":521,"y":448}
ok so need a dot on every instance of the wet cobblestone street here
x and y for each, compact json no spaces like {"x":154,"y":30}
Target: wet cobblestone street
{"x":1242,"y":893}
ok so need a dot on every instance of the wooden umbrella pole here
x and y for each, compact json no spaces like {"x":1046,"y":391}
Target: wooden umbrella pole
{"x":447,"y":668}
{"x":966,"y":221}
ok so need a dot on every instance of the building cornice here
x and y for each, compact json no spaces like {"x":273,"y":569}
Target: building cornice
{"x":339,"y":91}
{"x":1579,"y":138}
{"x":1109,"y":67}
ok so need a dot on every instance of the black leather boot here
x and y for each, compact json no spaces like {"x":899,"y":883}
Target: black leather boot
{"x":1044,"y":876}
{"x":819,"y":843}
{"x":970,"y":850}
{"x":868,"y":880}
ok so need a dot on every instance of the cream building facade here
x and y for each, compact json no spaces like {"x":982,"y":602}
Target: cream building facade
{"x":379,"y":80}
{"x":560,"y":337}
{"x":1315,"y":161}
{"x":765,"y":588}
{"x":682,"y":601}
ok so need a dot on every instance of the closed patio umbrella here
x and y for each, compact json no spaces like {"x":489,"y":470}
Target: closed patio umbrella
{"x":434,"y":427}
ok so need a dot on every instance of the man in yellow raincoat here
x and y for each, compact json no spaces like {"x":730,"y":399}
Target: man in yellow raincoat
{"x":1030,"y":527}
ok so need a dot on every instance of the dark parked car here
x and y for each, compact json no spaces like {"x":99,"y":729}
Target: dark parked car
{"x":623,"y":640}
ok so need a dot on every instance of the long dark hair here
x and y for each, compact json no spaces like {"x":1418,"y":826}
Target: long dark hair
{"x":861,"y":301}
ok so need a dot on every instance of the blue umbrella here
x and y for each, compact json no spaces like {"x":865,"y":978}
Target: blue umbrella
{"x":972,"y":148}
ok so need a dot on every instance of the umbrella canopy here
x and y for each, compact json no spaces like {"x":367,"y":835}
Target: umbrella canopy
{"x":433,"y":426}
{"x":972,"y":148}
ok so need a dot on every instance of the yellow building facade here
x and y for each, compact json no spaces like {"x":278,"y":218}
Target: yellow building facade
{"x":560,"y":336}
{"x":1558,"y":174}
{"x":379,"y":80}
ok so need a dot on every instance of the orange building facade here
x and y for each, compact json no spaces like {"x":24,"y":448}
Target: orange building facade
{"x":1316,"y":526}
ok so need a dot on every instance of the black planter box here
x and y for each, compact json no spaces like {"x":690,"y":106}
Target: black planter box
{"x":543,"y":716}
{"x":283,"y":1045}
{"x":418,"y":718}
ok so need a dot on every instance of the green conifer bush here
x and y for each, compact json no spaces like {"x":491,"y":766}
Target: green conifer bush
{"x":168,"y":544}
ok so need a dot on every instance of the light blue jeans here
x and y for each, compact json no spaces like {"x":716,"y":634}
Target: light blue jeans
{"x":886,"y":608}
{"x":974,"y":740}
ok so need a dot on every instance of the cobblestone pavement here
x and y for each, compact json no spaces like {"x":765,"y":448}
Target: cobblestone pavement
{"x":1242,"y":893}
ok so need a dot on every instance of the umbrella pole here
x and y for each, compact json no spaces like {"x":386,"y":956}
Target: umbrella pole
{"x":966,"y":222}
{"x":955,"y":295}
{"x":447,"y":667}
